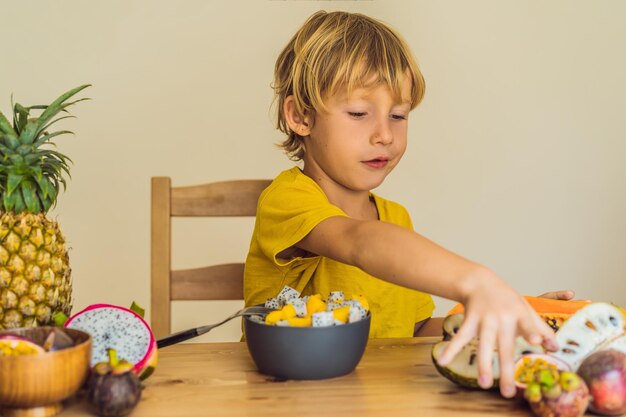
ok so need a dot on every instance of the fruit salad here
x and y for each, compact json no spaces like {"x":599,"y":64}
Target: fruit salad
{"x":290,"y":309}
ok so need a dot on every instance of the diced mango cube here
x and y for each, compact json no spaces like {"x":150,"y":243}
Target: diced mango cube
{"x":274,"y":317}
{"x":300,"y":321}
{"x":342,"y":314}
{"x":289,"y":311}
{"x":315,"y":305}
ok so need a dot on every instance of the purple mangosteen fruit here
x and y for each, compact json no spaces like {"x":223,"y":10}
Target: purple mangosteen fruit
{"x":113,"y":389}
{"x":605,"y":374}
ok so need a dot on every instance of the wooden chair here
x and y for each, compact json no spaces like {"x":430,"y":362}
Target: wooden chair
{"x":216,"y":282}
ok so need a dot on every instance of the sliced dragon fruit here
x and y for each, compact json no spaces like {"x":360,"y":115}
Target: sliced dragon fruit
{"x":116,"y":327}
{"x":594,"y":327}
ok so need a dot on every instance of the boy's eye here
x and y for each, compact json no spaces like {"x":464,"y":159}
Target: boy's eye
{"x":398,"y":116}
{"x":357,"y":114}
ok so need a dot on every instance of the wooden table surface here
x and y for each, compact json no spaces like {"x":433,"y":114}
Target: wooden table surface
{"x":395,"y":377}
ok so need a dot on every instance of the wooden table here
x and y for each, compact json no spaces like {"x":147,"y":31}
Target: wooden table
{"x":395,"y":377}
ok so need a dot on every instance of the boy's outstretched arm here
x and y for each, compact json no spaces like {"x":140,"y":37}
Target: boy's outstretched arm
{"x":494,"y":311}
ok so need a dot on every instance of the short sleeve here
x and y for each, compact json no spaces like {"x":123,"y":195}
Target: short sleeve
{"x":288,"y":211}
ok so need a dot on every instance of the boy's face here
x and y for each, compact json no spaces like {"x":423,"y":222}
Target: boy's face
{"x":359,"y":139}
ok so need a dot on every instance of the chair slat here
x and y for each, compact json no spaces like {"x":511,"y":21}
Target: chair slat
{"x":225,"y":198}
{"x":216,"y":282}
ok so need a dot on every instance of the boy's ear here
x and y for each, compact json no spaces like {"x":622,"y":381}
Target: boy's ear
{"x":297,"y":123}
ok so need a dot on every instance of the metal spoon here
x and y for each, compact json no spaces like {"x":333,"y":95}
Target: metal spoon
{"x":197,"y":331}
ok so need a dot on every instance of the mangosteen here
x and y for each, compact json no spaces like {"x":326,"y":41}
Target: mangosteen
{"x":605,"y":374}
{"x":553,"y":393}
{"x":113,"y":389}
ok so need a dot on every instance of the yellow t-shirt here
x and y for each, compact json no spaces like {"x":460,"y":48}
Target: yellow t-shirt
{"x":287,"y":211}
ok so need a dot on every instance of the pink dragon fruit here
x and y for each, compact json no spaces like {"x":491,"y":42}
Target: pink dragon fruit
{"x":122,"y":329}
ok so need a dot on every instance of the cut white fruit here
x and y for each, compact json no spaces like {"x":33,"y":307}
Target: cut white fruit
{"x":594,"y":327}
{"x":618,"y":344}
{"x":451,"y":325}
{"x":463,"y":369}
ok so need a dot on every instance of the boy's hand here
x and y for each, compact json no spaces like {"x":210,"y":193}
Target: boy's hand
{"x":559,"y":295}
{"x":497,"y":314}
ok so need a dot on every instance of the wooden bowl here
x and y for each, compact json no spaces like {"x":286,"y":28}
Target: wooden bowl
{"x":35,"y":385}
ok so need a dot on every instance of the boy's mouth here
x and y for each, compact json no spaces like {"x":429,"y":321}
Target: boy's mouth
{"x":377,"y":162}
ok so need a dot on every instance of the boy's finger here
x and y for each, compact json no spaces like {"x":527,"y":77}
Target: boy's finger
{"x":559,"y":295}
{"x":536,"y":331}
{"x":506,"y":347}
{"x":466,"y":332}
{"x":565,"y":295}
{"x":550,"y":343}
{"x":486,"y":347}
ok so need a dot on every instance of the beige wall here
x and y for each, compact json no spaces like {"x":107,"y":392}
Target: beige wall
{"x":516,"y":156}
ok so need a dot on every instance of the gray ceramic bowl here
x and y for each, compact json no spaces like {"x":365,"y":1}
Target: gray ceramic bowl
{"x":306,"y":352}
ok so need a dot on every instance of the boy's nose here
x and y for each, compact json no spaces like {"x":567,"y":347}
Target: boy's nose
{"x":383,"y":134}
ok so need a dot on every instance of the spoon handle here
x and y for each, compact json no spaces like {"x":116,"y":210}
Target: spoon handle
{"x":177,"y":338}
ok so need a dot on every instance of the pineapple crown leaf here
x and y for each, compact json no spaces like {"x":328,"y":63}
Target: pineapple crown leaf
{"x":46,"y":186}
{"x":20,"y":116}
{"x":31,"y":174}
{"x":10,"y":141}
{"x":6,"y":128}
{"x":29,"y":129}
{"x":29,"y":160}
{"x":37,"y":173}
{"x":49,"y":192}
{"x":47,"y":117}
{"x":13,"y":181}
{"x":30,"y":197}
{"x":57,"y":105}
{"x":18,"y":161}
{"x":44,"y":128}
{"x":28,"y":135}
{"x":8,"y":201}
{"x":4,"y":150}
{"x":35,"y":129}
{"x":14,"y":201}
{"x":55,"y":155}
{"x":45,"y":138}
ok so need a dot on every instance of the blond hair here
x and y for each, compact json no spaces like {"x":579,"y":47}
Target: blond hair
{"x":339,"y":50}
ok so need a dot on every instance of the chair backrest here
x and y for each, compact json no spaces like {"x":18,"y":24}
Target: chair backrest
{"x":216,"y":282}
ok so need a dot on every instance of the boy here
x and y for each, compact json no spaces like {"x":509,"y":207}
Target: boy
{"x":345,"y":85}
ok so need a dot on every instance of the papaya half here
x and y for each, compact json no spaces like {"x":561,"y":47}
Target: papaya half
{"x":554,"y":312}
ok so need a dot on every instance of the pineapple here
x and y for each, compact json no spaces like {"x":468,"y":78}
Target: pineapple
{"x":35,"y":283}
